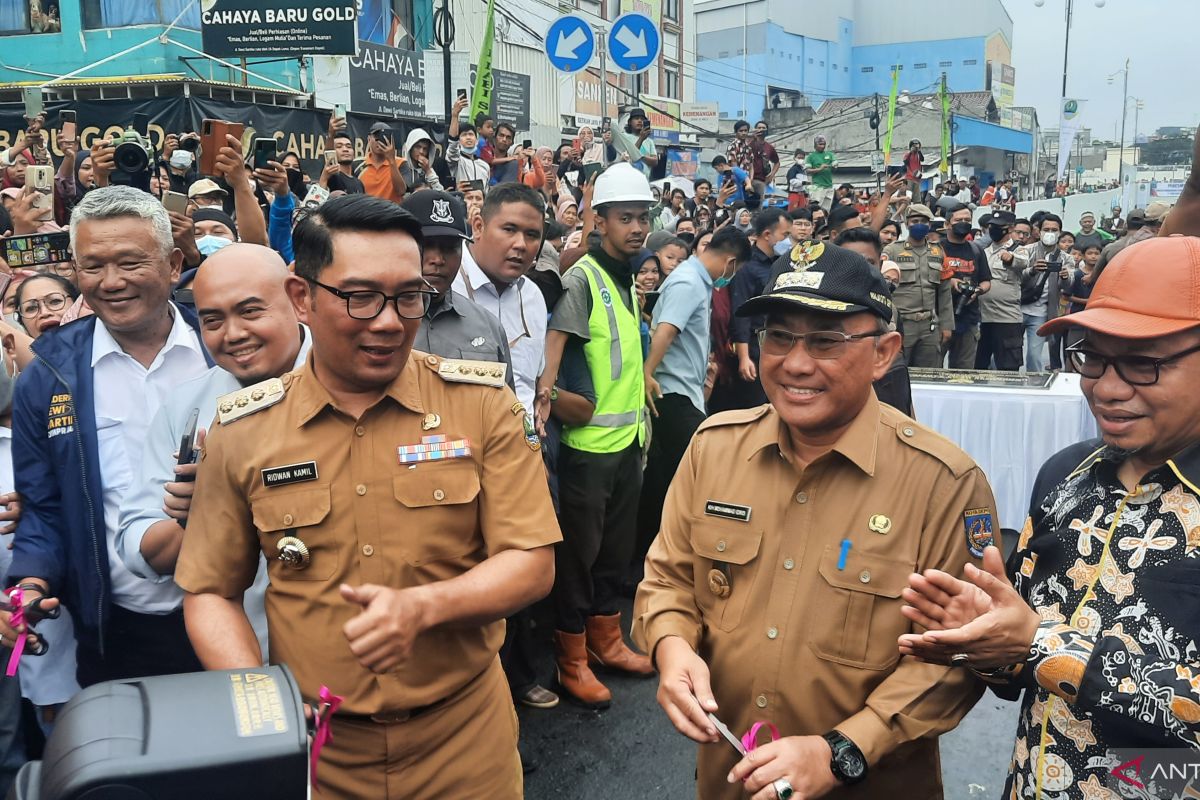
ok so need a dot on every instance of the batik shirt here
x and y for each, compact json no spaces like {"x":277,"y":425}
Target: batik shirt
{"x":1115,"y":576}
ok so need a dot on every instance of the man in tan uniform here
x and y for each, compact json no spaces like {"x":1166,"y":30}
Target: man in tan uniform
{"x":773,"y":590}
{"x":923,"y":298}
{"x":401,"y":507}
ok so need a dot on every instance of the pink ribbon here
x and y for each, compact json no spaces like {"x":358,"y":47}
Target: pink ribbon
{"x":750,"y":739}
{"x":323,"y":734}
{"x":16,"y":599}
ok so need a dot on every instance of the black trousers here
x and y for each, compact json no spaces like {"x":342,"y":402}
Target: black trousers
{"x":1003,"y":341}
{"x":674,"y":426}
{"x":137,"y":646}
{"x":598,"y":496}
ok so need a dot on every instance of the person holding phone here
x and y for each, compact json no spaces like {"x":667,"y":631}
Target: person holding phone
{"x":419,"y":154}
{"x":462,"y":154}
{"x":382,"y":173}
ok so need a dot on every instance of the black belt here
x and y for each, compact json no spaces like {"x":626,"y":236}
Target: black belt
{"x":392,"y":717}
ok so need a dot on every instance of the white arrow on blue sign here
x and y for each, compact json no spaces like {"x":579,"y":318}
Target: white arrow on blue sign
{"x":570,"y":43}
{"x":634,"y":42}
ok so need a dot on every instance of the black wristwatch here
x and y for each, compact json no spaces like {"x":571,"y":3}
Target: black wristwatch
{"x":848,"y":764}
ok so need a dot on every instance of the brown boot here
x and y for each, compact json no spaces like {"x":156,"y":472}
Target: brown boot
{"x":606,"y":647}
{"x":574,"y":674}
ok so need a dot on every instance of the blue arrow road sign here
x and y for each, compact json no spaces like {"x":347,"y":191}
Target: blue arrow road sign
{"x":633,"y":42}
{"x":570,"y":43}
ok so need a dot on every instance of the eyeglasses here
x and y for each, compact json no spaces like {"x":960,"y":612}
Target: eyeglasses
{"x":50,"y":303}
{"x":366,"y":304}
{"x":824,"y":345}
{"x":1134,"y":370}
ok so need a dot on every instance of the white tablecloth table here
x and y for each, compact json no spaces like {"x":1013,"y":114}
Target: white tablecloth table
{"x":1009,"y":432}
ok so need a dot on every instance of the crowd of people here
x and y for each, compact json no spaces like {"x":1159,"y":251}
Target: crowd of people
{"x":361,"y":421}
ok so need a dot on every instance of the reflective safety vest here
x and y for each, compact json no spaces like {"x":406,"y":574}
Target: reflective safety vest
{"x":614,"y":358}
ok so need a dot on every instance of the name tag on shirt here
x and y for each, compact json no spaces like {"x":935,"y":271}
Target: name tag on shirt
{"x":291,"y":473}
{"x":727,"y":510}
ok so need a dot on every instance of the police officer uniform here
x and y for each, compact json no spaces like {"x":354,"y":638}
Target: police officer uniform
{"x":395,"y":498}
{"x":923,"y":298}
{"x":786,"y":578}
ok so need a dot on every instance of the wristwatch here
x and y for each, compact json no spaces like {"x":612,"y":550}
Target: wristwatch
{"x":848,"y":764}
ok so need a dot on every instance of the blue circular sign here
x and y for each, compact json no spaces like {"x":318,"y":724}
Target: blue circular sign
{"x":634,"y":42}
{"x":570,"y":43}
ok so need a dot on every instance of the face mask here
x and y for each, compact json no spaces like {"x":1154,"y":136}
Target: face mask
{"x":961,"y":229}
{"x":918,"y":232}
{"x":723,"y":281}
{"x":687,"y":236}
{"x":1050,"y":238}
{"x":209,"y":244}
{"x":996,"y":232}
{"x":181,"y":159}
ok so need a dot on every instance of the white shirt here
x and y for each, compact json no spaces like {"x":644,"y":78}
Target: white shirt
{"x":127,"y":396}
{"x":50,"y":679}
{"x":141,"y":507}
{"x":521,"y":310}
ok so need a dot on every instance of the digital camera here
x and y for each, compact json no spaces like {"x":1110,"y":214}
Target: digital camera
{"x":132,"y":158}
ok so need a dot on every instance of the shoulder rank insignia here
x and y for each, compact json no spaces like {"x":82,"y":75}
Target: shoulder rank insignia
{"x":806,"y":253}
{"x":487,"y":373}
{"x":246,"y":401}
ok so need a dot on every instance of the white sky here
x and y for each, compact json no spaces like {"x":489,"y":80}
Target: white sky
{"x":1157,"y":36}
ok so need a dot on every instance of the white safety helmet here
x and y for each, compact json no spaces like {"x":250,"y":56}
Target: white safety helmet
{"x":622,"y":183}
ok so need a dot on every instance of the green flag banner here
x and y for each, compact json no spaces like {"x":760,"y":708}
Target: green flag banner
{"x":481,"y":97}
{"x":891,"y":120}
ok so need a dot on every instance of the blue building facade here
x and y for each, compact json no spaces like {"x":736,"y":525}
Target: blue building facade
{"x":752,"y":54}
{"x":119,"y":38}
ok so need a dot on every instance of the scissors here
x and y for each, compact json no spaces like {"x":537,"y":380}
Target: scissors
{"x":35,"y":645}
{"x":727,"y":734}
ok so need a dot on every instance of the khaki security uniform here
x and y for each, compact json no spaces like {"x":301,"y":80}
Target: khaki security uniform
{"x":442,"y":724}
{"x":923,"y":300}
{"x":746,"y":570}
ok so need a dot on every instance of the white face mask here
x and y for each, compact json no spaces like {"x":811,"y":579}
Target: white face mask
{"x":1050,"y":238}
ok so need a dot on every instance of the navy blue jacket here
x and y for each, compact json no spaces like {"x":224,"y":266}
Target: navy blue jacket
{"x":56,"y":464}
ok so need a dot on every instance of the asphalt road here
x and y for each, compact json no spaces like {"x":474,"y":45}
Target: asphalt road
{"x":631,"y":751}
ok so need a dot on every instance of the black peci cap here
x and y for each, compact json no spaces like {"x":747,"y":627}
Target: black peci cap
{"x":835,"y":280}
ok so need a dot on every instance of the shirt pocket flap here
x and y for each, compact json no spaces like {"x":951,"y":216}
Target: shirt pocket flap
{"x":437,"y":485}
{"x":726,"y":543}
{"x":295,"y":509}
{"x":865,"y":572}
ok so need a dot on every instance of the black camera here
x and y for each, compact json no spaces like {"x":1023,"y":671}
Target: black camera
{"x":189,"y":141}
{"x":132,"y":160}
{"x":966,"y":292}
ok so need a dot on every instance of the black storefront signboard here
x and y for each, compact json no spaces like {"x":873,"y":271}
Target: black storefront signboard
{"x":278,"y":28}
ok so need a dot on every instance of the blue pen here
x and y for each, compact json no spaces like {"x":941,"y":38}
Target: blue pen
{"x":846,"y":544}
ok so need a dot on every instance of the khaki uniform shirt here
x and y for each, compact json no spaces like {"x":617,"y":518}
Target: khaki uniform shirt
{"x":923,"y":294}
{"x":367,"y":518}
{"x":748,"y":569}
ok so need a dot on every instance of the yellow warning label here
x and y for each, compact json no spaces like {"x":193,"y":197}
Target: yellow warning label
{"x":257,"y":704}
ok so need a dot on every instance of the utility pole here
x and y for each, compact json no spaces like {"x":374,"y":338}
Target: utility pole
{"x":444,"y":36}
{"x":1124,"y":114}
{"x":878,"y":175}
{"x":603,"y":53}
{"x":1066,"y":54}
{"x":948,"y":128}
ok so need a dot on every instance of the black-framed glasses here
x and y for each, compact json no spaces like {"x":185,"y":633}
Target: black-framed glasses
{"x":367,"y":304}
{"x":819,"y":344}
{"x":55,"y":301}
{"x":1134,"y":370}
